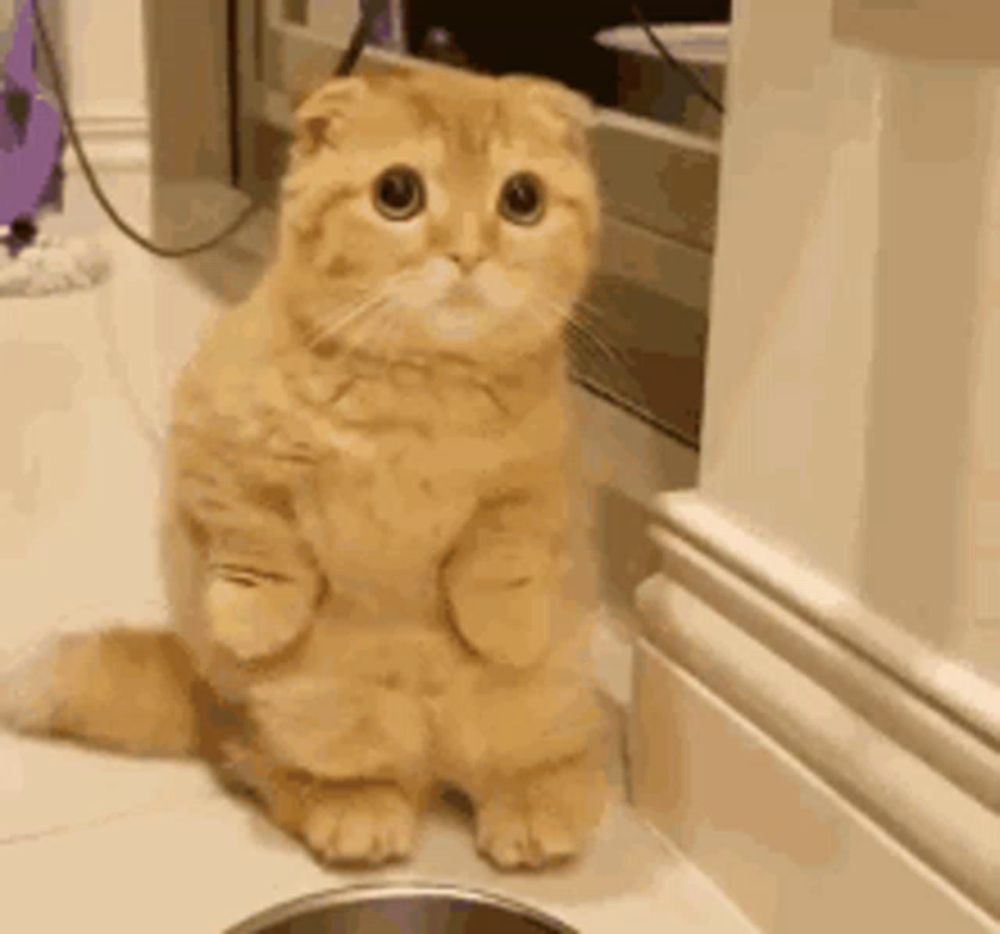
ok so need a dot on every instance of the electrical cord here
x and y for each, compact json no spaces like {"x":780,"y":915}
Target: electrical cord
{"x":687,"y":73}
{"x":348,"y":60}
{"x":370,"y":12}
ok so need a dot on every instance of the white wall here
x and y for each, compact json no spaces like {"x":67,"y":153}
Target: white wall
{"x":7,"y":8}
{"x":101,"y":49}
{"x":851,"y":410}
{"x":106,"y":57}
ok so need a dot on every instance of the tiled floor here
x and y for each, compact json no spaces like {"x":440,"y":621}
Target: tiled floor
{"x":107,"y":843}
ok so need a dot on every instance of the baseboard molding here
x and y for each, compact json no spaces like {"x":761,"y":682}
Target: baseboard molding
{"x":112,"y":142}
{"x":915,"y":760}
{"x":791,"y":853}
{"x":954,"y":689}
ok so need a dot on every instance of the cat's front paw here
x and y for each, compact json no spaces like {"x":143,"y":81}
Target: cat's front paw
{"x":542,"y":819}
{"x":366,"y":824}
{"x":501,"y":605}
{"x":255,"y":619}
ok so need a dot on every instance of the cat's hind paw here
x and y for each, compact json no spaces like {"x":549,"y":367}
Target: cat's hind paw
{"x":361,"y":824}
{"x":546,"y":818}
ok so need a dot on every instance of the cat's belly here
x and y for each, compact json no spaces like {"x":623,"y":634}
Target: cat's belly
{"x":386,"y":521}
{"x":370,"y":698}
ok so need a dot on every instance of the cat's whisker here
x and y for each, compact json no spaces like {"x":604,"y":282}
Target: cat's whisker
{"x":591,"y":318}
{"x":580,"y":346}
{"x":595,"y":318}
{"x":584,"y":324}
{"x":588,"y":326}
{"x":327,"y":335}
{"x":321,"y":328}
{"x":607,"y":362}
{"x":612,"y":354}
{"x":371,"y":342}
{"x":377,"y":305}
{"x":573,"y":326}
{"x":599,"y":320}
{"x":618,"y":377}
{"x":385,"y":348}
{"x":393,"y":350}
{"x":369,"y":304}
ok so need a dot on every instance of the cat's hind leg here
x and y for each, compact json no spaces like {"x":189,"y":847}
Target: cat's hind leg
{"x":364,"y":822}
{"x":530,"y":751}
{"x":349,"y":771}
{"x":542,"y":815}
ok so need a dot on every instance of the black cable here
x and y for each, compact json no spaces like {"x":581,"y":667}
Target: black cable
{"x":348,"y":60}
{"x":370,"y":12}
{"x":687,"y":73}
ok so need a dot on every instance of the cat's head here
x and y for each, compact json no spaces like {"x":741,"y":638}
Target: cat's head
{"x":435,"y":212}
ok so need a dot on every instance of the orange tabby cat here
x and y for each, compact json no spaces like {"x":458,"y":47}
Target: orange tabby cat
{"x":368,"y":532}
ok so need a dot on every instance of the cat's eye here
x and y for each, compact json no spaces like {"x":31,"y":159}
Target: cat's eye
{"x":399,"y":193}
{"x":522,"y":200}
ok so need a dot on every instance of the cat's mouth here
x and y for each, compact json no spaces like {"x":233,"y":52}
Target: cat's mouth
{"x":464,"y":294}
{"x":485,"y":290}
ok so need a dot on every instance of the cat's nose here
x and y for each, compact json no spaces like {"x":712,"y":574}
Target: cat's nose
{"x":462,"y":238}
{"x":467,"y":259}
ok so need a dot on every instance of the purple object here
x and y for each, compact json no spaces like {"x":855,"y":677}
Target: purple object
{"x":382,"y":27}
{"x":31,"y":140}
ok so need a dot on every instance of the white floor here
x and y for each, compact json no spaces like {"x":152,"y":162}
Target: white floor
{"x":106,"y":843}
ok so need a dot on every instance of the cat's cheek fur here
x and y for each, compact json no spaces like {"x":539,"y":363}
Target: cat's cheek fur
{"x":499,"y":288}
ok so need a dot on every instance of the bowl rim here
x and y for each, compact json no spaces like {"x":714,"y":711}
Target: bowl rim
{"x":393,"y":889}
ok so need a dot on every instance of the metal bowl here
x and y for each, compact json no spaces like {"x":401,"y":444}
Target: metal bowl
{"x":402,"y":909}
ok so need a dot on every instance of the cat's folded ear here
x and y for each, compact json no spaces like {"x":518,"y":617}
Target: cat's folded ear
{"x":570,"y":111}
{"x":322,"y":113}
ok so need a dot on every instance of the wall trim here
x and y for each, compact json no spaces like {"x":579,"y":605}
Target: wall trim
{"x":956,"y":691}
{"x":788,"y":849}
{"x":112,"y":141}
{"x":765,"y":633}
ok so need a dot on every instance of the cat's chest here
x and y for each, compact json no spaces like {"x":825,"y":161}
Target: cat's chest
{"x":395,"y":502}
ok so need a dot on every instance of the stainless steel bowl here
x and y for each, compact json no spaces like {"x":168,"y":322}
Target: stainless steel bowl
{"x":402,"y":909}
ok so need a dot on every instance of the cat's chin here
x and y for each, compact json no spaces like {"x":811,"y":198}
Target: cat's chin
{"x":460,"y":329}
{"x":464,"y":333}
{"x":484,"y":331}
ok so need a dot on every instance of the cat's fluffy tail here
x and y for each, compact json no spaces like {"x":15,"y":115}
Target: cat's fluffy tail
{"x":126,"y":689}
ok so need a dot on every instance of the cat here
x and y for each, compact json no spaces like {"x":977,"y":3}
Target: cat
{"x":368,"y":531}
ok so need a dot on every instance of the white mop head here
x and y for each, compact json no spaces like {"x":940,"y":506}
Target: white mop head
{"x":53,"y":264}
